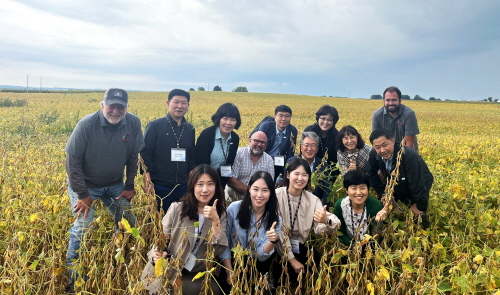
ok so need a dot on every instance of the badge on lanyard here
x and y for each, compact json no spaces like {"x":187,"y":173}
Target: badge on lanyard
{"x":178,"y":155}
{"x":279,"y":161}
{"x":190,"y":262}
{"x":295,"y":246}
{"x":225,"y":171}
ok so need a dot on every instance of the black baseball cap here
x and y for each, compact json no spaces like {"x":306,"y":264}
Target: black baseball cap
{"x":116,"y":96}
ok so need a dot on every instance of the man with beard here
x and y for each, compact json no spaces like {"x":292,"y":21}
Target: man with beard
{"x":250,"y":159}
{"x":398,"y":118}
{"x":100,"y":147}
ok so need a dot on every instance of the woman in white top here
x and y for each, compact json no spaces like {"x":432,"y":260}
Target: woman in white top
{"x":300,"y":211}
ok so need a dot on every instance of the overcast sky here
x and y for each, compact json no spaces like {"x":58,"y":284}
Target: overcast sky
{"x":446,"y":49}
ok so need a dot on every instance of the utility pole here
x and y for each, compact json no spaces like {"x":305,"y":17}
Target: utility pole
{"x":27,"y":86}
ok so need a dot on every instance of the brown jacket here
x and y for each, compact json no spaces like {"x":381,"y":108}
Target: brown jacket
{"x":173,"y":227}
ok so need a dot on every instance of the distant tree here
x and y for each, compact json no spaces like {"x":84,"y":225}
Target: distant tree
{"x":240,"y":89}
{"x":201,"y":89}
{"x":432,"y":98}
{"x":418,"y":97}
{"x":376,"y":96}
{"x":405,"y":96}
{"x":191,"y":89}
{"x":490,"y":98}
{"x":485,"y":99}
{"x":217,"y":88}
{"x":495,"y":100}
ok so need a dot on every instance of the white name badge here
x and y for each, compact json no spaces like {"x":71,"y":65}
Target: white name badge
{"x":279,"y":161}
{"x":295,"y":246}
{"x":190,"y":262}
{"x":225,"y":171}
{"x":178,"y":155}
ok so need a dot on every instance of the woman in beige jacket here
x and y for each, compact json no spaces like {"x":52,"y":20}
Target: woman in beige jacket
{"x":200,"y":210}
{"x":301,"y":211}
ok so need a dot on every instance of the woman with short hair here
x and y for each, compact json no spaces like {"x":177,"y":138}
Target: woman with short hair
{"x":217,"y":145}
{"x":352,"y":151}
{"x":326,"y":118}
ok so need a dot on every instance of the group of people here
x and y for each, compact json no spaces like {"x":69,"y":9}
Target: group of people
{"x":188,"y":178}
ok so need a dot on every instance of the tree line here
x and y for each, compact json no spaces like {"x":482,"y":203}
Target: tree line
{"x":218,"y":88}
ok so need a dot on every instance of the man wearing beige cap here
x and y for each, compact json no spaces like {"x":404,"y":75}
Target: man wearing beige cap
{"x":101,"y":145}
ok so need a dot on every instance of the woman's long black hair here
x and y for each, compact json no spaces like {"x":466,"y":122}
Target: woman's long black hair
{"x":190,"y":208}
{"x":271,"y":212}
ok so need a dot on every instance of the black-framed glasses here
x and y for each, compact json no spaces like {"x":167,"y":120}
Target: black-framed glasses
{"x":259,"y":141}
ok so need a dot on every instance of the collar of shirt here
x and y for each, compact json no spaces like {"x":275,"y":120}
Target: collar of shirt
{"x":172,"y":119}
{"x":388,"y":163}
{"x":218,"y":135}
{"x":284,"y":131}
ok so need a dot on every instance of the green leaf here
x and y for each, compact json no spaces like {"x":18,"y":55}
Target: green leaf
{"x":135,"y":233}
{"x":444,"y":286}
{"x":395,"y":224}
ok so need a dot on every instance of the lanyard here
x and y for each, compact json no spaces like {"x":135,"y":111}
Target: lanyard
{"x":198,"y":237}
{"x":226,"y":152}
{"x":292,"y":221}
{"x":178,"y":139}
{"x":359,"y":223}
{"x":257,"y":227}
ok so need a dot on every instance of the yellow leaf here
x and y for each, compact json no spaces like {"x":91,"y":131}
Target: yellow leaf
{"x":159,"y":267}
{"x":382,"y":274}
{"x":57,"y":271}
{"x":405,"y":255}
{"x":33,"y":217}
{"x":21,"y":236}
{"x":79,"y":282}
{"x":370,"y":288}
{"x":198,"y":275}
{"x":126,"y":225}
{"x":478,"y":259}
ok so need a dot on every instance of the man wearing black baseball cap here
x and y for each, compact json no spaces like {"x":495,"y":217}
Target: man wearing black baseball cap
{"x":101,"y":145}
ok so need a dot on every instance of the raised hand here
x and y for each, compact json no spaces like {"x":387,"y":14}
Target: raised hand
{"x":352,"y":166}
{"x":320,"y":215}
{"x":381,"y":215}
{"x":210,"y":212}
{"x":271,"y":233}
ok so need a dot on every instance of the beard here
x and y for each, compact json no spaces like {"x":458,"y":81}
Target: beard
{"x":257,"y":152}
{"x":396,"y":109}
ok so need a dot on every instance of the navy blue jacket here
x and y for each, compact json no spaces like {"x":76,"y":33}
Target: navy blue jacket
{"x":286,"y":148}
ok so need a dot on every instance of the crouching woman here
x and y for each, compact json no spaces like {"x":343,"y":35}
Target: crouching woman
{"x":255,"y":224}
{"x":358,"y":212}
{"x":187,"y":224}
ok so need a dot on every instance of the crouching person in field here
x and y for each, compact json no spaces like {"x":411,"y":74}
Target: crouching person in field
{"x":414,"y":180}
{"x":101,"y":145}
{"x":358,"y":213}
{"x":301,"y":211}
{"x":187,"y":224}
{"x":253,"y":223}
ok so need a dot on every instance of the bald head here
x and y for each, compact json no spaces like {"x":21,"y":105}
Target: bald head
{"x":258,"y":142}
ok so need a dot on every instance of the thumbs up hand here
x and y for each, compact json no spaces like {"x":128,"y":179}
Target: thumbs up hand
{"x":352,"y":166}
{"x":320,"y":215}
{"x":210,"y":212}
{"x":271,"y":234}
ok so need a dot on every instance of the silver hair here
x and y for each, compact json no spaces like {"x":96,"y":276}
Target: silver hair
{"x":310,"y":134}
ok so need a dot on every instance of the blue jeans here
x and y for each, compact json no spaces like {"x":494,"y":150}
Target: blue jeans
{"x":118,"y":209}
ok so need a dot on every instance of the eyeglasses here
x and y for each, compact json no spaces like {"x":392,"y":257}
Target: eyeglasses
{"x":259,"y":141}
{"x":117,"y":107}
{"x":329,"y":119}
{"x":288,"y":116}
{"x":310,"y":145}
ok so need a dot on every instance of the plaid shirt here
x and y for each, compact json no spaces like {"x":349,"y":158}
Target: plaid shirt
{"x":243,"y":167}
{"x":360,"y":157}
